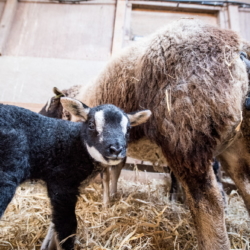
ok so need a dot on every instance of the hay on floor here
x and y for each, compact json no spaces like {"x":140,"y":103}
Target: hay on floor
{"x":140,"y":217}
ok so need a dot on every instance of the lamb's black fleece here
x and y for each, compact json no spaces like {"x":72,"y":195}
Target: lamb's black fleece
{"x":33,"y":146}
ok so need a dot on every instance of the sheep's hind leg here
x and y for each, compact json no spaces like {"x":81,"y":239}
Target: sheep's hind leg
{"x":8,"y":187}
{"x":235,"y":160}
{"x":176,"y":191}
{"x":206,"y":205}
{"x":64,"y":218}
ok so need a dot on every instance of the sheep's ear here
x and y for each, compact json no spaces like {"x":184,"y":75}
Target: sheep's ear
{"x":77,"y":109}
{"x":139,"y":117}
{"x":58,"y":93}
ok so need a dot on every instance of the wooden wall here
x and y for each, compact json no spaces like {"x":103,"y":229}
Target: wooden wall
{"x":143,"y":17}
{"x":51,"y":44}
{"x":70,"y":31}
{"x":245,"y":23}
{"x":145,"y":22}
{"x":45,"y":44}
{"x":2,"y":4}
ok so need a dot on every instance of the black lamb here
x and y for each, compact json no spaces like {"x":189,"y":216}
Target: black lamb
{"x":61,"y":153}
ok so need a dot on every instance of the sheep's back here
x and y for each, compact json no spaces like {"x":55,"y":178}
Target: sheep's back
{"x":190,"y":76}
{"x":193,"y":80}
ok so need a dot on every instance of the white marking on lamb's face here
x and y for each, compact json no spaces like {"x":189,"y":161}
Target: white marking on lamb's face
{"x":95,"y":154}
{"x":100,"y":122}
{"x":114,"y":162}
{"x":124,"y":124}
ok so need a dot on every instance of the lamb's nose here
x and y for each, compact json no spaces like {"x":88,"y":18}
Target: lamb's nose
{"x":115,"y":150}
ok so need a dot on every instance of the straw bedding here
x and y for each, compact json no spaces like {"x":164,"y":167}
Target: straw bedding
{"x":140,"y":217}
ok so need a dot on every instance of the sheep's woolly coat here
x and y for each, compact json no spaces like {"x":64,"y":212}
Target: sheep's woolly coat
{"x":191,"y":77}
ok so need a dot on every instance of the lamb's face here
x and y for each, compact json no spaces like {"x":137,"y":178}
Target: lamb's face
{"x":105,"y":129}
{"x":107,"y":134}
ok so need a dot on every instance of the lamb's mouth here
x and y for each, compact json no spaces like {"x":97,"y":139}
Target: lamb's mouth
{"x":114,"y":160}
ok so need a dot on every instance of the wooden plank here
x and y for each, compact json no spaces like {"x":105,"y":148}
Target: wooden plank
{"x":2,"y":4}
{"x":242,"y":1}
{"x":234,"y":18}
{"x":31,"y":79}
{"x":142,"y":177}
{"x":143,"y":167}
{"x":244,"y":23}
{"x":175,"y":6}
{"x":6,"y":22}
{"x":68,"y":31}
{"x":223,"y":19}
{"x":35,"y":107}
{"x":70,"y":2}
{"x":145,"y":22}
{"x":127,"y":24}
{"x":119,"y":29}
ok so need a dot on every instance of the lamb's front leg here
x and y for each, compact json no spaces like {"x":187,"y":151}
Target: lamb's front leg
{"x":115,"y":174}
{"x":63,"y":217}
{"x":50,"y":242}
{"x":105,"y":183}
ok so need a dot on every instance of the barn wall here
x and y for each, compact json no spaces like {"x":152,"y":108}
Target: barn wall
{"x":143,"y":17}
{"x":144,"y":22}
{"x":2,"y":4}
{"x":62,"y":31}
{"x":51,"y":44}
{"x":28,"y":79}
{"x":245,"y":23}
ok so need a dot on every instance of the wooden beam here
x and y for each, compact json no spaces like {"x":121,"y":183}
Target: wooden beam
{"x":141,"y":177}
{"x":6,"y":22}
{"x":119,"y":29}
{"x":35,"y":107}
{"x":92,"y":2}
{"x":234,"y":18}
{"x":175,"y":6}
{"x":223,"y":19}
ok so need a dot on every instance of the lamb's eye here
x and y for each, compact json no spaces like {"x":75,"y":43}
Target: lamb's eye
{"x":91,"y":126}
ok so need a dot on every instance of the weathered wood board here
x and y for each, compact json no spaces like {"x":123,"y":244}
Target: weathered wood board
{"x":62,"y":31}
{"x":145,"y":22}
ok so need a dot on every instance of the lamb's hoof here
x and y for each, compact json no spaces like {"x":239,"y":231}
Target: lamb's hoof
{"x":115,"y":196}
{"x":106,"y":204}
{"x":49,"y":244}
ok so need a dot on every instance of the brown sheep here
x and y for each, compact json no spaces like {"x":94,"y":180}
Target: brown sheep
{"x":192,"y":78}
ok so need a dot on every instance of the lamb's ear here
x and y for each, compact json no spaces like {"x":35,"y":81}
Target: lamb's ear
{"x":58,"y":93}
{"x":77,"y":109}
{"x":139,"y":117}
